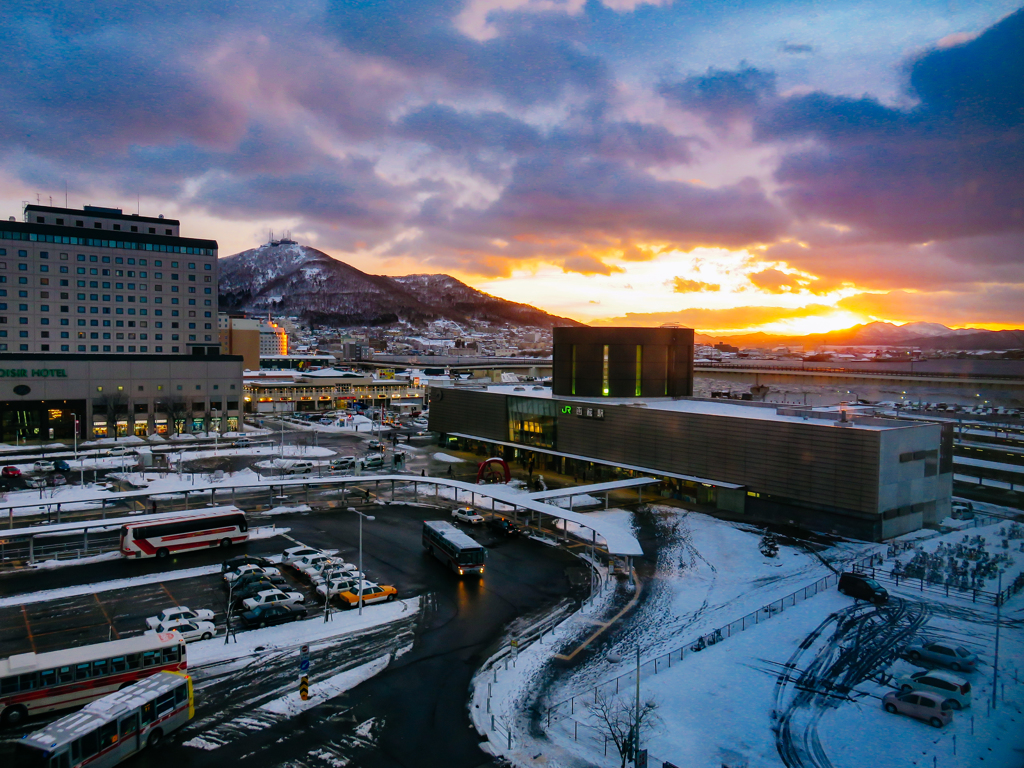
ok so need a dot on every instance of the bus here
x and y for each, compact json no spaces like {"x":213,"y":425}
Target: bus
{"x":36,"y":683}
{"x":452,"y":547}
{"x":112,"y":729}
{"x":216,"y":527}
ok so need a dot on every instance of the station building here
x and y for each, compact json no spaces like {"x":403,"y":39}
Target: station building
{"x":326,"y":389}
{"x":835,"y":470}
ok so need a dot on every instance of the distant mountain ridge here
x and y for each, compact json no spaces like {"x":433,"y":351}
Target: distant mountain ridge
{"x":920,"y":335}
{"x":293,"y":279}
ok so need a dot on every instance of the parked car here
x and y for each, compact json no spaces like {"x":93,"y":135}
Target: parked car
{"x":243,"y":441}
{"x":234,"y":562}
{"x":343,"y":463}
{"x":58,"y":480}
{"x":299,"y":468}
{"x":373,"y":461}
{"x":955,"y":690}
{"x":955,"y":657}
{"x":962,"y":510}
{"x":244,"y":569}
{"x":272,"y":597}
{"x":61,"y":465}
{"x":36,"y":482}
{"x":256,"y":578}
{"x":269,"y":615}
{"x":929,"y":707}
{"x":467,"y":515}
{"x":311,"y":559}
{"x":863,"y":588}
{"x":10,"y":472}
{"x":253,"y":588}
{"x":178,"y":613}
{"x":290,"y":555}
{"x":44,"y":466}
{"x":374,"y":445}
{"x":503,"y":526}
{"x":336,"y":571}
{"x":190,"y":630}
{"x":338,"y":586}
{"x":372,"y":593}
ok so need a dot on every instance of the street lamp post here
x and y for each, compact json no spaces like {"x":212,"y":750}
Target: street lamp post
{"x":360,"y":575}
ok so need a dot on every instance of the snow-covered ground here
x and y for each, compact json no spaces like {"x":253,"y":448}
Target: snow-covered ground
{"x":448,"y":458}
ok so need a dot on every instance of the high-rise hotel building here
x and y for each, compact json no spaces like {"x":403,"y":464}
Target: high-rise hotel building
{"x":97,"y":280}
{"x":108,"y":327}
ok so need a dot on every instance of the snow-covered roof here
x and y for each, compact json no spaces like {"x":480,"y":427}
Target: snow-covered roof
{"x":739,"y":409}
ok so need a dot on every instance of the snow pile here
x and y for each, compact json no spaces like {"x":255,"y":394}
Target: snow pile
{"x":448,"y":458}
{"x":254,"y":643}
{"x":287,"y":510}
{"x":292,"y":704}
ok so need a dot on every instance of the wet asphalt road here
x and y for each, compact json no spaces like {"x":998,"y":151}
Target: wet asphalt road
{"x":413,"y":713}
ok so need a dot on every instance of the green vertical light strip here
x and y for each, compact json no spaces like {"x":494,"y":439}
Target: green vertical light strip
{"x":604,"y":378}
{"x":639,"y":366}
{"x":574,"y":369}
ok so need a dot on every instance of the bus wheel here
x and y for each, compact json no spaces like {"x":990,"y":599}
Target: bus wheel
{"x":14,"y":715}
{"x":155,"y":737}
{"x":225,"y":543}
{"x":162,"y":552}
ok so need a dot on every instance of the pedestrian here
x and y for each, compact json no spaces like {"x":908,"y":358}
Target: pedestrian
{"x":450,"y":473}
{"x":423,"y":473}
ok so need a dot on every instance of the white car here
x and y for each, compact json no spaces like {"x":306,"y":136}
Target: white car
{"x":345,"y":571}
{"x":341,"y":585}
{"x":304,"y":561}
{"x":43,"y":466}
{"x":313,"y":570}
{"x":273,"y":597}
{"x":179,"y":613}
{"x":190,"y":630}
{"x":244,"y":569}
{"x":290,"y":555}
{"x":955,"y":690}
{"x":299,"y":468}
{"x":467,"y":515}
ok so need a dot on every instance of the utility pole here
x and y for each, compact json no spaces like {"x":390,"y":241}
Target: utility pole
{"x":636,"y":713}
{"x":999,"y":616}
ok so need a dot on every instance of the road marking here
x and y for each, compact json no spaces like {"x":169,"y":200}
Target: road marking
{"x":28,"y":628}
{"x":107,"y":617}
{"x":166,"y":592}
{"x":599,"y":632}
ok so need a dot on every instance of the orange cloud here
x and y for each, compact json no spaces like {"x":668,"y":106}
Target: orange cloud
{"x":682,"y":285}
{"x":993,"y":307}
{"x":730,"y":318}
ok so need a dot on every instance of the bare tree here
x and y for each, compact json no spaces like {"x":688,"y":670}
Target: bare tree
{"x":176,"y":410}
{"x":619,"y":720}
{"x":116,"y":405}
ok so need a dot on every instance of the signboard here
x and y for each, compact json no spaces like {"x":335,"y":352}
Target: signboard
{"x":515,"y":648}
{"x":386,"y":373}
{"x":583,"y":411}
{"x":304,"y":672}
{"x":35,"y":373}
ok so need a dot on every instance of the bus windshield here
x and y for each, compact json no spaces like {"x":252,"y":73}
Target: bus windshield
{"x":29,"y":756}
{"x":471,"y":557}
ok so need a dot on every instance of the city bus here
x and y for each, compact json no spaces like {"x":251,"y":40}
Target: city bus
{"x":112,"y":729}
{"x":452,"y":547}
{"x":36,"y":683}
{"x":216,"y":527}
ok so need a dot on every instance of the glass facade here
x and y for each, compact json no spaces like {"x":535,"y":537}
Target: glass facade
{"x":531,"y":421}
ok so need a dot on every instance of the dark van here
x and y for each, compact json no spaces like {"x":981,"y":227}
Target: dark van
{"x":863,"y":588}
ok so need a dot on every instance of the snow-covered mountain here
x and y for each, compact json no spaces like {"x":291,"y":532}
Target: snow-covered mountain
{"x":295,"y":279}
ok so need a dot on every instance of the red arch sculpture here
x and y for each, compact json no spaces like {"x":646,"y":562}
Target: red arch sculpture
{"x":493,"y":470}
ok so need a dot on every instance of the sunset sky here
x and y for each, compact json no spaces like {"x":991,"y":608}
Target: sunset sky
{"x":786,"y":166}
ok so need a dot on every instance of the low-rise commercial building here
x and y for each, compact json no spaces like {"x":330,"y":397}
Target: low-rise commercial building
{"x":42,"y":396}
{"x":325,"y":390}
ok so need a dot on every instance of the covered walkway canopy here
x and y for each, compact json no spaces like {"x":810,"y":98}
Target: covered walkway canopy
{"x":579,"y":490}
{"x":619,"y":540}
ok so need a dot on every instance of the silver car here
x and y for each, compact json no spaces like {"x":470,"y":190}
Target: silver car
{"x":954,"y":657}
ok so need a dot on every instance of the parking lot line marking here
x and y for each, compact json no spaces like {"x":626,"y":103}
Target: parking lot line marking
{"x":65,"y":629}
{"x":28,"y":628}
{"x":107,"y":617}
{"x":168,"y":593}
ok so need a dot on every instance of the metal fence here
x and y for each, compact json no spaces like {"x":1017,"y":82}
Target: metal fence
{"x":569,"y":707}
{"x":947,"y":589}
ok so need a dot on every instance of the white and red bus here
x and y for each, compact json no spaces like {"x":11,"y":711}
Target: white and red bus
{"x":216,"y":527}
{"x":36,"y":683}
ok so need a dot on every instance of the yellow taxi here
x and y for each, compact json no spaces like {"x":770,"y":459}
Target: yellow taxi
{"x":372,"y":593}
